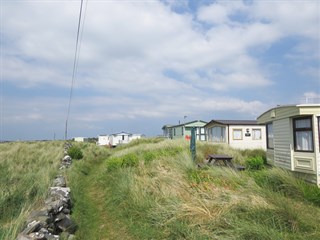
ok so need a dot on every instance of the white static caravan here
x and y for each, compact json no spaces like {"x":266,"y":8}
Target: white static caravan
{"x":81,"y":139}
{"x":293,"y":136}
{"x":123,"y":138}
{"x":136,"y":136}
{"x":119,"y":138}
{"x":241,"y":134}
{"x":103,"y":140}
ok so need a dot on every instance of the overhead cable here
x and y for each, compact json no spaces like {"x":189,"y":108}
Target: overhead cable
{"x":75,"y":64}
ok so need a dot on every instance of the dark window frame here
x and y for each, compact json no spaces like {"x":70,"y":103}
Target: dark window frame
{"x":305,"y":129}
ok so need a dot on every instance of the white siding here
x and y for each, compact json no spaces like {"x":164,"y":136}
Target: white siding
{"x":135,"y":136}
{"x":283,"y":143}
{"x":80,"y":139}
{"x":304,"y":164}
{"x":119,"y":138}
{"x":103,"y":140}
{"x":316,"y":124}
{"x":308,"y":162}
{"x":246,"y":141}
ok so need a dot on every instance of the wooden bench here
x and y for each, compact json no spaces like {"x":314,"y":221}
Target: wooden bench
{"x":227,"y":160}
{"x":215,"y":158}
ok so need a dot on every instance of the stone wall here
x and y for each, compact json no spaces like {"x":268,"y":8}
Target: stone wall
{"x":52,"y":221}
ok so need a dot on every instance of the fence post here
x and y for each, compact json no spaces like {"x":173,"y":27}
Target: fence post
{"x":193,"y":144}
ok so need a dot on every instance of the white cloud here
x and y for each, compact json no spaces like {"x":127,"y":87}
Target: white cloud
{"x":129,"y":49}
{"x":125,"y":45}
{"x":290,"y":17}
{"x":220,"y":12}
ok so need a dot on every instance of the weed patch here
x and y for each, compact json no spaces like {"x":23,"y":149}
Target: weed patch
{"x":75,"y":152}
{"x":281,"y":181}
{"x":255,"y":163}
{"x":26,"y":172}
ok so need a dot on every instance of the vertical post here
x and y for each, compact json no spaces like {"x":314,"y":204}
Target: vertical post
{"x":193,"y":144}
{"x":66,"y":131}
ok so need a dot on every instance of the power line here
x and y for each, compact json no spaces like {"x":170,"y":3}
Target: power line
{"x":75,"y":65}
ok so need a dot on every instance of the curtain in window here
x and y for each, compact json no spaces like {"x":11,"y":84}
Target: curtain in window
{"x":256,"y":134}
{"x":237,"y":134}
{"x":304,"y":141}
{"x":303,"y":134}
{"x":218,"y":134}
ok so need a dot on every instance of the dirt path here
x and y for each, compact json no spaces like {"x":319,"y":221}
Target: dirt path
{"x":89,"y":209}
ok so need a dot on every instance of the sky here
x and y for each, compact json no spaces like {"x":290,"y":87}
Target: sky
{"x":143,"y":64}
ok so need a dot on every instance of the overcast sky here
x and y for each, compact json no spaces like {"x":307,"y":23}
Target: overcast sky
{"x":143,"y":64}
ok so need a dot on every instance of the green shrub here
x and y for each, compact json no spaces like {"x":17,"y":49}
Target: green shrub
{"x":249,"y":153}
{"x":255,"y":163}
{"x":149,"y":156}
{"x":310,"y":192}
{"x":130,"y":160}
{"x":114,"y":163}
{"x":75,"y":152}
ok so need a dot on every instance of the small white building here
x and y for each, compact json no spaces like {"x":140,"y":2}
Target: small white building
{"x":117,"y":138}
{"x":81,"y":139}
{"x":293,"y":139}
{"x":241,"y":134}
{"x":136,"y":136}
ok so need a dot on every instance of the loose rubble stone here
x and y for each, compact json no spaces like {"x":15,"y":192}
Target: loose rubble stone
{"x":37,"y":236}
{"x":59,"y":181}
{"x":53,"y":219}
{"x":52,"y":237}
{"x":23,"y":237}
{"x":41,"y":216}
{"x":31,"y":227}
{"x":55,"y":207}
{"x":66,"y":161}
{"x":67,"y":225}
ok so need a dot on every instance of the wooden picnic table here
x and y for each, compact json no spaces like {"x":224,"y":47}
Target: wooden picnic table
{"x":227,"y":160}
{"x":214,"y":158}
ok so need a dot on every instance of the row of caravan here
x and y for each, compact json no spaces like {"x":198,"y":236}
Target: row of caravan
{"x":116,"y":139}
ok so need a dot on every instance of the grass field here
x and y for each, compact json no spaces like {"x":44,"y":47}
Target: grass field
{"x":151,"y":189}
{"x":26,"y":172}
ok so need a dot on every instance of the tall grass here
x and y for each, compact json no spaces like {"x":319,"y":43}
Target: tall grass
{"x":153,"y":190}
{"x":82,"y":179}
{"x":26,"y":172}
{"x":284,"y":182}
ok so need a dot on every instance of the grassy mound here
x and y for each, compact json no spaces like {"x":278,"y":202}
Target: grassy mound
{"x":153,"y":190}
{"x":26,"y":172}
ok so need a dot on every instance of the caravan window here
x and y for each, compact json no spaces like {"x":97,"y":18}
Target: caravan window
{"x":237,"y":134}
{"x":303,"y":137}
{"x":256,"y":134}
{"x":218,"y":134}
{"x":270,"y":144}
